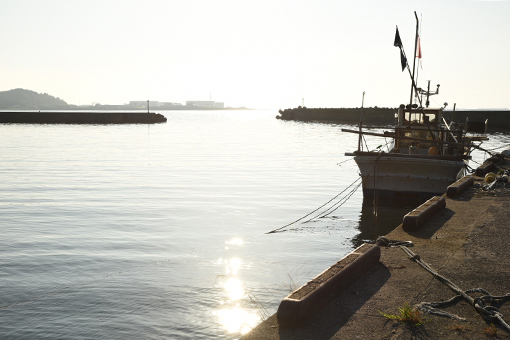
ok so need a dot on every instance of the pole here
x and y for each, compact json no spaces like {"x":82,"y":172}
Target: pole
{"x":147,"y":106}
{"x":361,"y":122}
{"x":414,"y":58}
{"x":427,"y":103}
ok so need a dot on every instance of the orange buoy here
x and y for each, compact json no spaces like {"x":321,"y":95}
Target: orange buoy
{"x":433,"y":151}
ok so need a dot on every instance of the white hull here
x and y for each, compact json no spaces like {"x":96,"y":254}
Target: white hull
{"x":401,"y":175}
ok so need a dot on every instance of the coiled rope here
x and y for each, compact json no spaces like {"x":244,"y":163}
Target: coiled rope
{"x":328,"y":210}
{"x":489,"y":313}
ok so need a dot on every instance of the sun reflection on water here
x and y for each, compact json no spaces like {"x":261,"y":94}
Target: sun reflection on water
{"x":238,"y":320}
{"x":236,"y":241}
{"x":234,"y":288}
{"x":233,"y":316}
{"x":232,"y":266}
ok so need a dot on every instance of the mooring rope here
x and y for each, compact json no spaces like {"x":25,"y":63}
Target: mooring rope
{"x":489,"y":313}
{"x":326,"y":212}
{"x":342,"y":162}
{"x":340,"y":202}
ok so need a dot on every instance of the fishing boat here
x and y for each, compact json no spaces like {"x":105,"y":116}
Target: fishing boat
{"x":426,"y":153}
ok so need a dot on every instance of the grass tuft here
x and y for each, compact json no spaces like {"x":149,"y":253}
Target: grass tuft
{"x":406,"y":315}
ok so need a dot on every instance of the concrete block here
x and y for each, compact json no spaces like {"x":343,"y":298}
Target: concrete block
{"x":301,"y":305}
{"x":460,"y":186}
{"x":416,"y":218}
{"x":485,"y":168}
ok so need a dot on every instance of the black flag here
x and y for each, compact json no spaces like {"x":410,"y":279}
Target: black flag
{"x":403,"y":60}
{"x":397,"y":42}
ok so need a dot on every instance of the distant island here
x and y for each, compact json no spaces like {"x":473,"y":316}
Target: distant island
{"x":22,"y":99}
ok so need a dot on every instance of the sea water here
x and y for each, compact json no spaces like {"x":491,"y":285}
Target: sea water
{"x":161,"y":231}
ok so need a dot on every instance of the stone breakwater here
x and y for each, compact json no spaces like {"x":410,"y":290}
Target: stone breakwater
{"x":499,"y":119}
{"x":90,"y":117}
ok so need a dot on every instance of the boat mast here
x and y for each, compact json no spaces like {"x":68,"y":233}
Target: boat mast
{"x":414,"y":61}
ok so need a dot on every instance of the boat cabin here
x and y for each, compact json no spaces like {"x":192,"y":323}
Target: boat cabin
{"x":425,"y":132}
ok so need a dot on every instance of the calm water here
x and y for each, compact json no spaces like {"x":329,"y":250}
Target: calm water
{"x":159,"y":232}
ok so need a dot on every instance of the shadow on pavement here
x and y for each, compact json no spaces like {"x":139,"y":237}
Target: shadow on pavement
{"x":335,"y":315}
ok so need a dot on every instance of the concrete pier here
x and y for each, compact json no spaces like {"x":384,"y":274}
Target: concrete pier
{"x":467,"y":241}
{"x":80,"y":117}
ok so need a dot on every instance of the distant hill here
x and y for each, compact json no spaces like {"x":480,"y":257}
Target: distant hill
{"x":21,"y":99}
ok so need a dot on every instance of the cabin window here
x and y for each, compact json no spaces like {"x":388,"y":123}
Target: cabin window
{"x":419,"y":134}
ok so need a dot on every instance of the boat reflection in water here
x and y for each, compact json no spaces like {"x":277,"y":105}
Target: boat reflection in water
{"x":372,"y":226}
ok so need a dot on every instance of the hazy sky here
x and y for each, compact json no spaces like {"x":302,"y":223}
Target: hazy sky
{"x":259,"y":54}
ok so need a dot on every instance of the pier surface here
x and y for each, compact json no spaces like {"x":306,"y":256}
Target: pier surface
{"x":468,"y":242}
{"x":80,"y":117}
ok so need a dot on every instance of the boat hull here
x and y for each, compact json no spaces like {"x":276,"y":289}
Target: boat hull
{"x":401,"y":179}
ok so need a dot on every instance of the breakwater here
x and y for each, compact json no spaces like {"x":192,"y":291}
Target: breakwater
{"x":342,"y":115}
{"x":65,"y":117}
{"x":377,"y":115}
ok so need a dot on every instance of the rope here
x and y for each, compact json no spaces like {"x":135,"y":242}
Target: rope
{"x":337,"y":205}
{"x":489,"y":313}
{"x":469,"y":169}
{"x":386,"y":242}
{"x":326,"y":212}
{"x":344,"y":161}
{"x":376,"y":187}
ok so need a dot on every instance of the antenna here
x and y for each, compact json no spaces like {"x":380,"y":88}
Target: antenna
{"x":428,"y":93}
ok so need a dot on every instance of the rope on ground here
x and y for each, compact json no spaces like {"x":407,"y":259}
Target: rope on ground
{"x":386,"y":242}
{"x":328,"y":210}
{"x":489,"y":313}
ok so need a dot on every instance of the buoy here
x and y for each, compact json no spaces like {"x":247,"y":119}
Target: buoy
{"x":433,"y":151}
{"x":490,"y":177}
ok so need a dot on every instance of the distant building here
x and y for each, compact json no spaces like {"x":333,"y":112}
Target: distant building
{"x":143,"y":103}
{"x":200,"y":103}
{"x":138,"y":103}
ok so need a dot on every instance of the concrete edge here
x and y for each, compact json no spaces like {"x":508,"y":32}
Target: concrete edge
{"x":484,"y":169}
{"x":460,"y":186}
{"x":416,"y":218}
{"x":294,"y":312}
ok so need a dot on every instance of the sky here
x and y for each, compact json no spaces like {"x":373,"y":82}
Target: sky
{"x":266,"y":54}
